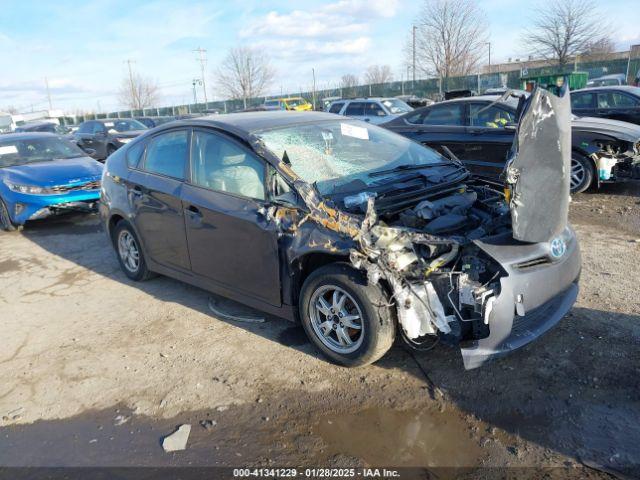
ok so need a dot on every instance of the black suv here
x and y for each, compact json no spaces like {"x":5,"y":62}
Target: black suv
{"x":100,"y":138}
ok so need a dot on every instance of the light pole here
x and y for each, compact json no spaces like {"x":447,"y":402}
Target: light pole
{"x":489,"y":43}
{"x":195,"y":94}
{"x":413,"y":66}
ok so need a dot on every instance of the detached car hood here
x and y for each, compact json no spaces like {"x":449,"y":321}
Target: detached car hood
{"x":628,"y":132}
{"x":538,"y":173}
{"x":55,"y":172}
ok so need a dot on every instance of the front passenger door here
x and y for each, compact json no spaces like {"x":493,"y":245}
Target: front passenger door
{"x":231,"y":242}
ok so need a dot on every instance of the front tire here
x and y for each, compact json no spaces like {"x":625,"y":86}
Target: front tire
{"x":129,"y":253}
{"x":581,"y":173}
{"x":5,"y":220}
{"x":347,"y":319}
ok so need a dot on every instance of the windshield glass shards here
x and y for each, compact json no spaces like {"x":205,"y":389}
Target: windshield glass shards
{"x":335,"y":153}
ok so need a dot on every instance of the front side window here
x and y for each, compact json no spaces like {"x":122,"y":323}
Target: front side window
{"x":491,"y":117}
{"x":336,"y":107}
{"x":220,"y":164}
{"x":341,"y":155}
{"x":616,"y":100}
{"x":167,"y":154}
{"x":375,"y":110}
{"x":446,"y":114}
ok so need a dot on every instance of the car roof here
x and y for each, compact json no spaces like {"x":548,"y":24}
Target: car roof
{"x":243,"y":124}
{"x":624,"y":88}
{"x":27,"y":135}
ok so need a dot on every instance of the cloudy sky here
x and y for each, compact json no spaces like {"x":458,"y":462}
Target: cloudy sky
{"x":81,"y":47}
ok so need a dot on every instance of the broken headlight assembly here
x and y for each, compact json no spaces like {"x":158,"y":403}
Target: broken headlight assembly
{"x":28,"y":189}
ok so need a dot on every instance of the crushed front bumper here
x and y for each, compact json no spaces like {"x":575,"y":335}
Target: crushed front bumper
{"x":536,"y":293}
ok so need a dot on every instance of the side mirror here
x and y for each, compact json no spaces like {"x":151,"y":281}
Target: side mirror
{"x":101,"y":134}
{"x":287,"y":199}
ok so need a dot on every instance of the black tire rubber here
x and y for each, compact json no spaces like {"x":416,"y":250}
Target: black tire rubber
{"x":143,"y":273}
{"x":5,"y":220}
{"x":589,"y":172}
{"x":378,"y":319}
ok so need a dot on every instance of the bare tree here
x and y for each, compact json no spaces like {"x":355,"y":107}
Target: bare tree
{"x":244,"y":73}
{"x":376,"y":74}
{"x":348,"y":84}
{"x":137,"y":92}
{"x":600,"y":47}
{"x":561,"y":30}
{"x":450,"y":38}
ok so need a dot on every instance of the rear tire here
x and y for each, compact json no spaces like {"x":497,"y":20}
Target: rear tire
{"x":129,"y":252}
{"x":347,"y":319}
{"x":582,"y":173}
{"x":5,"y":220}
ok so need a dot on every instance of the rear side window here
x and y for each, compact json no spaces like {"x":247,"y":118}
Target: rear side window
{"x":134,"y":154}
{"x":446,"y":114}
{"x":167,"y":154}
{"x":336,"y":107}
{"x":356,"y":109}
{"x":582,"y":100}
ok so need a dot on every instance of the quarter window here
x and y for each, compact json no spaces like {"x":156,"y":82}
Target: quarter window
{"x":221,"y":164}
{"x":167,"y":154}
{"x":135,"y":154}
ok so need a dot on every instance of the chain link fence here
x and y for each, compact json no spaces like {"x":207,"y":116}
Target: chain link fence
{"x":432,"y":88}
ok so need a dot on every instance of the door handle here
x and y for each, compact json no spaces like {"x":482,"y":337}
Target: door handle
{"x":193,"y":211}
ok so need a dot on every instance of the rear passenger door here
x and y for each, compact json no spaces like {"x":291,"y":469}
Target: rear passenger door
{"x":231,"y":243}
{"x":154,"y":189}
{"x":439,"y":125}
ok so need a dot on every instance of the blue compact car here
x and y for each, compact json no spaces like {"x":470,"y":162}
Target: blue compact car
{"x":43,"y":174}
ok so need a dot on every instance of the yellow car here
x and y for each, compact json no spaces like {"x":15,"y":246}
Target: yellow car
{"x":292,"y":103}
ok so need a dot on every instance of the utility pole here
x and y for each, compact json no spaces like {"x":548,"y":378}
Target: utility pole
{"x":313,"y":72}
{"x":489,"y":43}
{"x":413,"y":67}
{"x":134,"y":98}
{"x":46,"y":82}
{"x":202,"y":58}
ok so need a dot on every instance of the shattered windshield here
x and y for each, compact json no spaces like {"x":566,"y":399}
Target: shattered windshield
{"x":336,"y":153}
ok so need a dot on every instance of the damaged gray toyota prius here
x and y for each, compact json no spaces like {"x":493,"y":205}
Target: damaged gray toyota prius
{"x":353,"y":230}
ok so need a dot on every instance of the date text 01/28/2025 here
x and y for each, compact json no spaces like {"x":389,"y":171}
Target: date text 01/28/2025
{"x":316,"y":473}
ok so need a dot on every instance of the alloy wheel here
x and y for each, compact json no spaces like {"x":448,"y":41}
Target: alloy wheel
{"x":128,"y":251}
{"x":336,"y":319}
{"x":577,"y":174}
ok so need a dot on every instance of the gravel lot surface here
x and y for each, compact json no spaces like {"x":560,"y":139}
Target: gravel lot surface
{"x":97,"y":370}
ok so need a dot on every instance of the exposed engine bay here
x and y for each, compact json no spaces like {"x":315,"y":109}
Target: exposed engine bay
{"x":426,"y":256}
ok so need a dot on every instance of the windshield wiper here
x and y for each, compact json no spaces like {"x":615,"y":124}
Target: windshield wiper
{"x":406,"y":168}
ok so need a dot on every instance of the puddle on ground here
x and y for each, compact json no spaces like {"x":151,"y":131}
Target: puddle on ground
{"x":381,"y":436}
{"x":9,"y":266}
